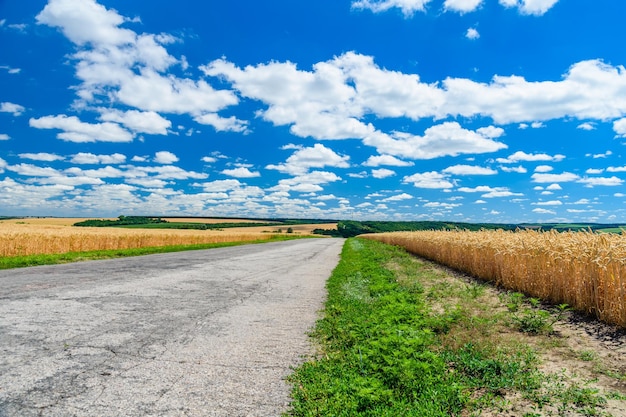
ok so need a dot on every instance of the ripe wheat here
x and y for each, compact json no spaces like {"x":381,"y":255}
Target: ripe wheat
{"x":34,"y":239}
{"x":585,"y":270}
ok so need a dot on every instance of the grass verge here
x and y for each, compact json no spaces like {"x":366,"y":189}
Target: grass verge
{"x":400,"y":338}
{"x":52,"y":259}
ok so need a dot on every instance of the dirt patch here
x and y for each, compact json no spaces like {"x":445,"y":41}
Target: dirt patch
{"x":580,"y":357}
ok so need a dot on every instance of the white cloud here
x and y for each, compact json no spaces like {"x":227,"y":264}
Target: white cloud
{"x":138,"y":121}
{"x":462,"y":6}
{"x":332,"y":100}
{"x":619,"y":126}
{"x":41,"y":156}
{"x":616,"y":169}
{"x":378,"y":160}
{"x":86,"y":22}
{"x":469,"y":170}
{"x":11,"y":70}
{"x":548,"y":203}
{"x":221,"y":124}
{"x":408,"y":7}
{"x":594,"y":171}
{"x":165,"y":157}
{"x":382,"y":173}
{"x":544,"y":211}
{"x":118,"y":66}
{"x":12,"y":108}
{"x":520,"y":156}
{"x":220,"y":185}
{"x":544,"y":168}
{"x":603,"y":181}
{"x":306,"y":183}
{"x":601,"y":155}
{"x":554,"y":187}
{"x":76,"y":131}
{"x":209,"y":159}
{"x":472,"y":34}
{"x":4,"y":136}
{"x":489,"y":192}
{"x":89,"y":158}
{"x":554,"y":178}
{"x":398,"y":197}
{"x":530,"y":7}
{"x":586,"y":126}
{"x":432,"y":180}
{"x":241,"y":172}
{"x":518,"y":169}
{"x":318,"y":156}
{"x":446,"y":139}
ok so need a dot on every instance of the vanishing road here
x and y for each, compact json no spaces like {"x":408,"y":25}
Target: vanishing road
{"x":199,"y":333}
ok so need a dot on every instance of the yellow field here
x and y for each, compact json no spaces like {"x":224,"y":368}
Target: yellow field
{"x":585,"y":270}
{"x":33,"y":236}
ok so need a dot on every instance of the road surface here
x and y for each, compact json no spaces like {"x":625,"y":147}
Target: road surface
{"x":198,"y":333}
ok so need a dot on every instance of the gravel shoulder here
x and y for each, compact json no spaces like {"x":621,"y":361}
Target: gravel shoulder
{"x":199,"y":333}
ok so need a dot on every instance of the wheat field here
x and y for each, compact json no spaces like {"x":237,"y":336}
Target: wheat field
{"x":21,"y":237}
{"x":585,"y":270}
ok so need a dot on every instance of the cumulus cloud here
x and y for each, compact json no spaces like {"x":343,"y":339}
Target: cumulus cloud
{"x":165,"y":158}
{"x":433,"y":180}
{"x":446,"y":139}
{"x":388,"y":160}
{"x":12,"y":108}
{"x":469,"y":170}
{"x":548,"y":203}
{"x":472,"y":34}
{"x":138,"y":121}
{"x":332,"y":100}
{"x":518,"y":169}
{"x":318,"y":156}
{"x":241,"y":172}
{"x":117,"y":65}
{"x":222,"y":124}
{"x":602,"y":181}
{"x":42,"y":156}
{"x":543,"y":168}
{"x":76,"y":131}
{"x":462,"y":6}
{"x":619,"y":126}
{"x":408,"y":7}
{"x":490,"y":192}
{"x":89,"y":158}
{"x":397,"y":197}
{"x":554,"y":178}
{"x":521,"y":156}
{"x":544,"y":211}
{"x":586,"y":126}
{"x":382,"y":173}
{"x":306,"y":183}
{"x":4,"y":136}
{"x":530,"y":7}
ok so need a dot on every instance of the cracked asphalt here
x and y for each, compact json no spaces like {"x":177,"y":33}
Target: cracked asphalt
{"x":198,"y":333}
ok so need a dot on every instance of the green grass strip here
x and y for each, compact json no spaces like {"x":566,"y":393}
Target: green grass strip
{"x":52,"y":259}
{"x":375,"y":337}
{"x":381,"y":351}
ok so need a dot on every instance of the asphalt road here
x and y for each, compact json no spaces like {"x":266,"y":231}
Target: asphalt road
{"x":199,"y":333}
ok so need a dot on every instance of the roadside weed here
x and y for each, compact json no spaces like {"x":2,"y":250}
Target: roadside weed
{"x":401,"y":338}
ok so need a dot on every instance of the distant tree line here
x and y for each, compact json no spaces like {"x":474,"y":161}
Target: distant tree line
{"x":121,"y":221}
{"x":351,"y":228}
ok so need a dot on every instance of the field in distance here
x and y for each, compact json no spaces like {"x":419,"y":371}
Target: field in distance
{"x":50,"y":235}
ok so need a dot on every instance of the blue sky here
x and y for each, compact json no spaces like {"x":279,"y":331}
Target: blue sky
{"x":458,"y":110}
